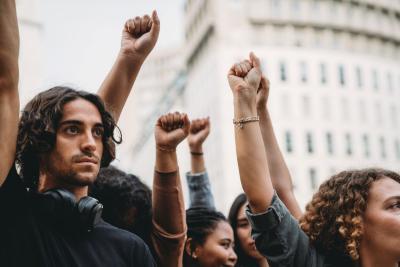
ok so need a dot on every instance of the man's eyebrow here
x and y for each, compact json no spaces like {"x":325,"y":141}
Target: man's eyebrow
{"x":77,"y":122}
{"x":70,"y":122}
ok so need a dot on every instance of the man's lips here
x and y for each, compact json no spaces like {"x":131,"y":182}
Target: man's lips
{"x":88,"y":160}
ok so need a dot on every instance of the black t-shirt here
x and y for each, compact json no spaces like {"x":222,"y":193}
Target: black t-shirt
{"x":27,"y":240}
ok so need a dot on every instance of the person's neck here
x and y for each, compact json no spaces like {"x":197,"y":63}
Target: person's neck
{"x":46,"y":183}
{"x":376,"y":258}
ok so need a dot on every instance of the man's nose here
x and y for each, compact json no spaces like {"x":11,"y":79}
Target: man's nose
{"x":88,"y":142}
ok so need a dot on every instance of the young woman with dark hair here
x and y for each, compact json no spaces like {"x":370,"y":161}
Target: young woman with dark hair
{"x":353,"y":219}
{"x":209,"y":239}
{"x":245,"y":248}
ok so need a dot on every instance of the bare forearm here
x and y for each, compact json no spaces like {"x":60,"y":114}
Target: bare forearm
{"x":116,"y":87}
{"x":252,"y":161}
{"x":9,"y":99}
{"x":280,"y":175}
{"x":9,"y":45}
{"x":197,"y":159}
{"x":166,"y":161}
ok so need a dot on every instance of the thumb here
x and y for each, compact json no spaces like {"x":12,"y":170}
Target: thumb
{"x":186,"y":123}
{"x":155,"y":28}
{"x":255,"y":61}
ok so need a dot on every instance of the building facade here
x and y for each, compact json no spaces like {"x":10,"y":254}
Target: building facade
{"x":30,"y":55}
{"x":334,"y":68}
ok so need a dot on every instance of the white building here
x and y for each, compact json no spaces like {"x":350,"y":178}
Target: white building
{"x":30,"y":56}
{"x":334,"y":68}
{"x":157,"y":90}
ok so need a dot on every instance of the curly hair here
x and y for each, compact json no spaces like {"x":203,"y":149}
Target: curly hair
{"x":38,"y":127}
{"x":333,"y":218}
{"x":119,"y":192}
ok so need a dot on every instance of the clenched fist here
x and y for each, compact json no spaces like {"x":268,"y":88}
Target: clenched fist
{"x":170,"y":130}
{"x":198,"y":133}
{"x":244,"y":78}
{"x":140,"y":35}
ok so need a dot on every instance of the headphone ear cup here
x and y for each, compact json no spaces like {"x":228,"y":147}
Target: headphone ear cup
{"x":89,"y":212}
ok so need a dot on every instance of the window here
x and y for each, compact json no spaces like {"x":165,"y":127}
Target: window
{"x":322,"y":73}
{"x":390,"y":82}
{"x":303,"y":72}
{"x":382,"y":147}
{"x":345,"y":109}
{"x":282,"y":71}
{"x":375,"y":82}
{"x":309,"y":141}
{"x":329,"y":143}
{"x":326,"y":108}
{"x":359,"y":79}
{"x":378,"y":113}
{"x":313,"y":178}
{"x":348,"y":143}
{"x":306,"y":105}
{"x":286,"y":107}
{"x":362,"y":111}
{"x":397,"y":148}
{"x":393,"y":114}
{"x":365,"y":140}
{"x":342,"y":80}
{"x":288,"y":142}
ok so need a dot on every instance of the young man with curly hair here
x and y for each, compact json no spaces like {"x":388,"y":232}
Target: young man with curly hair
{"x":353,"y":219}
{"x":59,"y":144}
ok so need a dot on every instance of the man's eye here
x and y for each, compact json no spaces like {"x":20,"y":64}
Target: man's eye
{"x":98,"y":132}
{"x":72,"y":130}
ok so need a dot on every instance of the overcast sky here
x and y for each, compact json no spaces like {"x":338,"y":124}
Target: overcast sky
{"x":81,"y":37}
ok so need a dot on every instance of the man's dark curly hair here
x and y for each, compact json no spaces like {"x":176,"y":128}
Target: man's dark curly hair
{"x":126,"y":200}
{"x":333,"y":218}
{"x":38,"y":127}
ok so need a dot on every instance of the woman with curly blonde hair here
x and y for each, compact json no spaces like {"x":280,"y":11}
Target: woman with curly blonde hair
{"x":353,"y":219}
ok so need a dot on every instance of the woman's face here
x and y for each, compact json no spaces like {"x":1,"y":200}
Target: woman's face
{"x":217,"y":250}
{"x":381,"y":221}
{"x":243,"y":231}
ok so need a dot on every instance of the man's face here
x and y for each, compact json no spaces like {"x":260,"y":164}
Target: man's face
{"x":76,"y":157}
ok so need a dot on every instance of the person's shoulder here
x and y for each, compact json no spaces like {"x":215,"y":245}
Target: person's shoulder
{"x":125,"y":241}
{"x":120,"y":236}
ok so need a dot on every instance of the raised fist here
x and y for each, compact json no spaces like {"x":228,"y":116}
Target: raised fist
{"x":244,"y":77}
{"x":198,"y":133}
{"x":170,"y":130}
{"x":263,"y":93}
{"x":140,"y":35}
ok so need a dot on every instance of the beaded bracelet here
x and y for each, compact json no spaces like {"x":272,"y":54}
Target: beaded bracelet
{"x":239,"y":123}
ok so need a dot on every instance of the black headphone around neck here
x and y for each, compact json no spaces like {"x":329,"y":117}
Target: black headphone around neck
{"x":62,"y":207}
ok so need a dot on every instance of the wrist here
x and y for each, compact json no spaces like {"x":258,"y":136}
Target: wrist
{"x":130,"y":57}
{"x":262,"y":108}
{"x":166,"y":161}
{"x":196,"y":148}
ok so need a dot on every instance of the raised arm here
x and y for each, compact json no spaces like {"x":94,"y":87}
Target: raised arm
{"x":9,"y":99}
{"x":278,"y":170}
{"x":197,"y":179}
{"x":244,"y":79}
{"x":168,"y":207}
{"x":139,"y":37}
